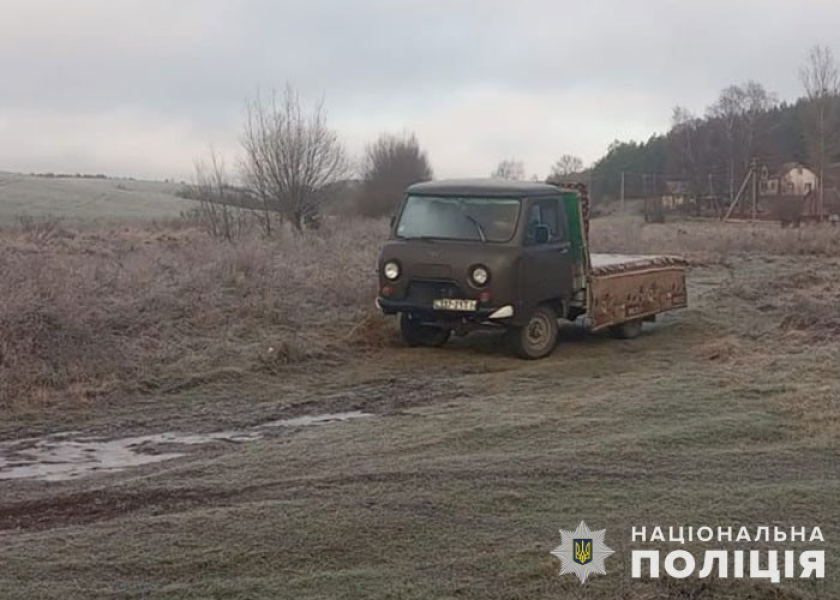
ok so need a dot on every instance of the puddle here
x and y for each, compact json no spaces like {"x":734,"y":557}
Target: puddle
{"x":62,"y":460}
{"x":318,"y":419}
{"x":67,"y":456}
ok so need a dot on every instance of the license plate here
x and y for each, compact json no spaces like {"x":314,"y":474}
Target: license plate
{"x":453,"y":304}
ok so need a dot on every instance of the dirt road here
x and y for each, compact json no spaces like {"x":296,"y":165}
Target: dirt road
{"x":447,"y":473}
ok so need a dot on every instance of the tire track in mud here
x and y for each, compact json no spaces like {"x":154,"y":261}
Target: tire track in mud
{"x":75,"y":455}
{"x":84,"y":508}
{"x":70,"y":507}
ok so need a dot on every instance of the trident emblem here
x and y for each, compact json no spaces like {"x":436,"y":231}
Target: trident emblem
{"x":583,"y":551}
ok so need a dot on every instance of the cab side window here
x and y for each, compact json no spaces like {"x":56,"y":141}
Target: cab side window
{"x":546,"y":213}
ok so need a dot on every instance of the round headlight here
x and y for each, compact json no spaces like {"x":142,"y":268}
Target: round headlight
{"x":391,"y":270}
{"x":480,"y":276}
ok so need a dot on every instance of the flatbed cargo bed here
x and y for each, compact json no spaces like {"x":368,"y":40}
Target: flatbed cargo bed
{"x":625,"y":287}
{"x":610,"y":264}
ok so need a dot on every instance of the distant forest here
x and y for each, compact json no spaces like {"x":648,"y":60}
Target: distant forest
{"x":712,"y":154}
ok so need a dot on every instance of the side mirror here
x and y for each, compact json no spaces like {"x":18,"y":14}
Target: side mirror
{"x":542,"y":234}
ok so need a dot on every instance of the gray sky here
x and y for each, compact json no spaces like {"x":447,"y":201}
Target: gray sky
{"x":142,"y":87}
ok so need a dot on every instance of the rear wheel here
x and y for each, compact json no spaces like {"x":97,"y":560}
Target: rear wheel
{"x":415,"y":333}
{"x":627,"y":330}
{"x":538,"y":337}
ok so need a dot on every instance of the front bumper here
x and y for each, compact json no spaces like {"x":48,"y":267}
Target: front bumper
{"x":392,"y":307}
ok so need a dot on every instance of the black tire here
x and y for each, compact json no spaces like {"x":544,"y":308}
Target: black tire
{"x":415,"y":334}
{"x":536,"y":339}
{"x":627,"y":330}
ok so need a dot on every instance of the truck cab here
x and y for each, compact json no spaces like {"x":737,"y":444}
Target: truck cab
{"x":487,"y":254}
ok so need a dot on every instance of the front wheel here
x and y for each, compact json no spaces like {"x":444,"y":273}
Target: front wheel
{"x":415,"y":333}
{"x":538,"y":337}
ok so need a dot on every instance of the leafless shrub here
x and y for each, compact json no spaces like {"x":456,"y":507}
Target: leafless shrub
{"x":219,"y":210}
{"x":391,"y":164}
{"x":291,"y":157}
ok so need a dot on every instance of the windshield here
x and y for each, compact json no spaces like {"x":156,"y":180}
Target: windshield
{"x":450,"y":218}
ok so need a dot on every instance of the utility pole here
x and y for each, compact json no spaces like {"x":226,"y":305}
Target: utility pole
{"x":622,"y":191}
{"x":753,"y":171}
{"x":732,"y":180}
{"x":821,"y":191}
{"x":712,"y":200}
{"x":741,"y":191}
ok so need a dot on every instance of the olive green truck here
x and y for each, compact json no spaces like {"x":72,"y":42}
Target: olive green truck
{"x":465,"y":255}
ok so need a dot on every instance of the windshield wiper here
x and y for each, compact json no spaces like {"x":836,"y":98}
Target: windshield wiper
{"x":478,"y":228}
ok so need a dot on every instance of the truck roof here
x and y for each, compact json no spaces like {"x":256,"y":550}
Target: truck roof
{"x":498,"y":188}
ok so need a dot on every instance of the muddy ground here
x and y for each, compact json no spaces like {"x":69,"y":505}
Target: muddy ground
{"x":455,"y":468}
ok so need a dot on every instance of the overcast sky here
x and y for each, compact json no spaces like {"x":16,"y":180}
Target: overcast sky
{"x":142,"y":87}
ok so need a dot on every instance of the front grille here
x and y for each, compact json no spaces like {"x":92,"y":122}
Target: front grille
{"x":424,"y":292}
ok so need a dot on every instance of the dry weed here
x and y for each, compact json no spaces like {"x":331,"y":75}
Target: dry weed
{"x":144,"y":309}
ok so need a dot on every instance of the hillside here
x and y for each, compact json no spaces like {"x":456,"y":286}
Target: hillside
{"x":82,"y":200}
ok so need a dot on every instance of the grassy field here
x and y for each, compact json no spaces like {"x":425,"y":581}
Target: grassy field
{"x":83,"y":202}
{"x":89,"y":315}
{"x":725,"y":414}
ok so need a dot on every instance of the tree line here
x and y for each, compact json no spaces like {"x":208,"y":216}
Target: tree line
{"x":713,"y":153}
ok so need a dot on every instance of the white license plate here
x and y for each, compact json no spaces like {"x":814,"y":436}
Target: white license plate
{"x":452,"y":304}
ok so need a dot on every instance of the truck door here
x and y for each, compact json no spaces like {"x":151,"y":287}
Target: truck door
{"x":547,"y":260}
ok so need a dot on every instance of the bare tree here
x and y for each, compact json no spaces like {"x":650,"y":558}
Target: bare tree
{"x":728,"y":111}
{"x":822,"y":85}
{"x":566,"y":165}
{"x":220,"y":211}
{"x":510,"y":169}
{"x":757,"y":101}
{"x":684,"y":134}
{"x":684,"y":126}
{"x":391,"y":163}
{"x":291,"y":157}
{"x":738,"y":110}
